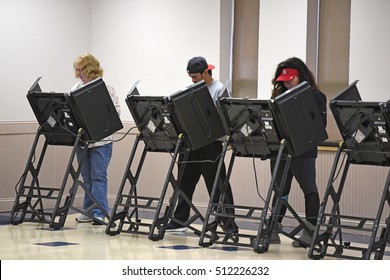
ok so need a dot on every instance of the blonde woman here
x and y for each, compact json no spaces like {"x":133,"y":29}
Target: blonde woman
{"x":94,"y":169}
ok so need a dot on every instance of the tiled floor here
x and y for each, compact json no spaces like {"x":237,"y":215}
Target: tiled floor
{"x":89,"y":242}
{"x":77,"y":251}
{"x":28,"y":241}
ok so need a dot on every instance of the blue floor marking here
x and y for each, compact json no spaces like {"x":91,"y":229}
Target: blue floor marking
{"x":179,"y":247}
{"x":185,"y":247}
{"x":56,"y":243}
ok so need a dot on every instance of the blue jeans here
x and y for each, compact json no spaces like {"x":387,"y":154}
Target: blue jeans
{"x":94,"y":173}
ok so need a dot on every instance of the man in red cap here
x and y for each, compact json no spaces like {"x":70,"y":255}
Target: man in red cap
{"x":203,"y":161}
{"x":198,"y":69}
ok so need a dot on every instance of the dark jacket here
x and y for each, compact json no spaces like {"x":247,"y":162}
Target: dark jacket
{"x":320,"y":99}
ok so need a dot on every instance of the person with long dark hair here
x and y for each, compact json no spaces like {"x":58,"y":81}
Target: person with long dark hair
{"x":290,"y":73}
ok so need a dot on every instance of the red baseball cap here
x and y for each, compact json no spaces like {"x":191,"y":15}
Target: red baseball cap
{"x":287,"y":75}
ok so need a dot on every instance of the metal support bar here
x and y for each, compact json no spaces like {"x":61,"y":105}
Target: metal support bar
{"x":30,"y":206}
{"x":331,"y":234}
{"x":126,"y":213}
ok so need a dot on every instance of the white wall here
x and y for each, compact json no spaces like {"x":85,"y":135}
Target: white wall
{"x":369,"y":43}
{"x":39,"y":38}
{"x":370,"y":47}
{"x":282,"y":29}
{"x":151,"y":40}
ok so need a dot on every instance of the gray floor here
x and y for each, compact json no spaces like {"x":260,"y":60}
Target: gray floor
{"x":77,"y":251}
{"x":75,"y":241}
{"x":89,"y":242}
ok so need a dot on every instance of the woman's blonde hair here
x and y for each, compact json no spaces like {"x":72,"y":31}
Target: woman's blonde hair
{"x":89,"y":65}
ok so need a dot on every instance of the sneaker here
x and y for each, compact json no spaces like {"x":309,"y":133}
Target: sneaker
{"x":175,"y":227}
{"x":231,"y":230}
{"x":98,"y":220}
{"x":83,"y":219}
{"x":232,"y":234}
{"x":275,"y":238}
{"x":306,"y":238}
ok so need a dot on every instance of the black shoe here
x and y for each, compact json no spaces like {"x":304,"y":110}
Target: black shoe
{"x":232,"y":235}
{"x":214,"y":236}
{"x":175,"y":227}
{"x":306,"y":238}
{"x":231,"y":231}
{"x":275,"y":239}
{"x":230,"y":227}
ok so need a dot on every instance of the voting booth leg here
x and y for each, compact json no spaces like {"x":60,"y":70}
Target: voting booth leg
{"x":73,"y":172}
{"x":160,"y":221}
{"x":125,"y":214}
{"x":268,"y":219}
{"x":332,"y":236}
{"x":131,"y":209}
{"x":219,"y":210}
{"x":229,"y":214}
{"x":28,"y":204}
{"x":35,"y":203}
{"x":159,"y":224}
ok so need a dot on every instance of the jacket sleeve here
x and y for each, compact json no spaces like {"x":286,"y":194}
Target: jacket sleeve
{"x":321,"y":103}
